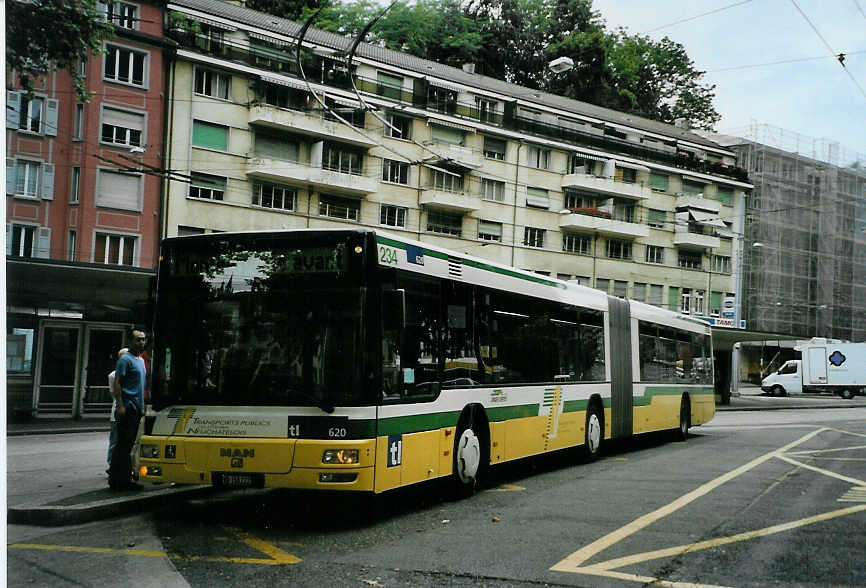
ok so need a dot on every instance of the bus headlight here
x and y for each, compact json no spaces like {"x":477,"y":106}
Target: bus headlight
{"x":150,"y":451}
{"x":342,"y":456}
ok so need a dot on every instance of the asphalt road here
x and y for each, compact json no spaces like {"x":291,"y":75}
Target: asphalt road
{"x":754,"y":498}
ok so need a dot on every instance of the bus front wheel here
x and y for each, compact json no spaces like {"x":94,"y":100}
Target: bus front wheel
{"x":593,"y":433}
{"x":682,"y":431}
{"x":468,"y":453}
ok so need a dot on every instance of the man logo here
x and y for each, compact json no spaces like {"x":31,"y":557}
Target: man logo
{"x":229,"y":452}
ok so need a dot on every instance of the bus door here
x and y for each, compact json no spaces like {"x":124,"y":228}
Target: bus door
{"x":622,"y":407}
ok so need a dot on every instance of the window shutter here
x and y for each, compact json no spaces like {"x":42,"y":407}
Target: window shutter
{"x":673,"y":298}
{"x":51,"y":110}
{"x":47,"y":181}
{"x":209,"y":135}
{"x":43,"y":243}
{"x":537,"y":197}
{"x":124,"y":119}
{"x":10,"y":176}
{"x":119,"y":190}
{"x":8,"y":239}
{"x":13,"y":109}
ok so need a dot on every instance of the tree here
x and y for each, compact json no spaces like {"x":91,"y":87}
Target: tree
{"x":61,"y":33}
{"x":291,"y":9}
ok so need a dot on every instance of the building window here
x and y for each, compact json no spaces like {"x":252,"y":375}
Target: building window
{"x":389,"y":86}
{"x":533,"y":237}
{"x":78,"y":123}
{"x":276,"y":146}
{"x":620,"y":288}
{"x":339,"y":158}
{"x":715,"y":303}
{"x":627,"y":175}
{"x":213,"y":84}
{"x":120,"y":14}
{"x":124,"y":65}
{"x":539,"y":157}
{"x":617,"y":249}
{"x":699,"y":302}
{"x":75,"y":185}
{"x":447,"y":181}
{"x":655,"y":254}
{"x":447,"y":136}
{"x":489,"y":230}
{"x":659,"y":182}
{"x":114,"y":249}
{"x":116,"y":189}
{"x":656,"y":294}
{"x":207,"y":186}
{"x":494,"y":148}
{"x":656,"y":218}
{"x":27,"y":178}
{"x":337,"y":207}
{"x":537,"y":198}
{"x":72,"y":246}
{"x":623,"y":212}
{"x":602,"y":284}
{"x":689,"y":260}
{"x":572,"y":243}
{"x":393,"y":216}
{"x":686,"y":301}
{"x":395,"y":171}
{"x":487,"y":110}
{"x":272,"y":196}
{"x":183,"y":231}
{"x":638,"y":291}
{"x":492,"y":190}
{"x":31,"y":114}
{"x":445,"y":223}
{"x":725,"y":195}
{"x":722,"y":264}
{"x":579,"y":164}
{"x":441,"y":100}
{"x":22,"y":242}
{"x":210,"y":136}
{"x":120,"y":127}
{"x":400,"y":127}
{"x":692,"y":188}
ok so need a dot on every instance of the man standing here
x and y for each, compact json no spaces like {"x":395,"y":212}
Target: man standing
{"x":128,"y":392}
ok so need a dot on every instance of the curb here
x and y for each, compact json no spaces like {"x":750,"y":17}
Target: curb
{"x":55,"y":516}
{"x":56,"y":431}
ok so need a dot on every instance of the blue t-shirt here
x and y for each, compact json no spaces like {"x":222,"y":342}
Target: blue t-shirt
{"x":132,"y":373}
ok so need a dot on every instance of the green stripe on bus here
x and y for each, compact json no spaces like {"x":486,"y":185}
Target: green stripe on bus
{"x":476,"y":264}
{"x":646,"y":399}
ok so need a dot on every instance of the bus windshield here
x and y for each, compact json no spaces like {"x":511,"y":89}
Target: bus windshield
{"x":251,"y":325}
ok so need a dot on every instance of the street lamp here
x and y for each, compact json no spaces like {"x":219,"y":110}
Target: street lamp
{"x":561,"y":64}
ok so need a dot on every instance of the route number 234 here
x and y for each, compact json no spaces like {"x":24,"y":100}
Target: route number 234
{"x":387,"y":255}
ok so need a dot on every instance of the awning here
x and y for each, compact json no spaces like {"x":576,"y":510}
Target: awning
{"x":267,"y":39}
{"x":452,"y":125}
{"x":709,"y":220}
{"x":214,"y":24}
{"x":629,"y":165}
{"x":444,"y":85}
{"x":694,"y":179}
{"x":288,"y":82}
{"x":591,"y":157}
{"x":345,"y":101}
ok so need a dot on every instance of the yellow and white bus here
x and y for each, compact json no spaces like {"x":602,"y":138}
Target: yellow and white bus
{"x":359,"y":360}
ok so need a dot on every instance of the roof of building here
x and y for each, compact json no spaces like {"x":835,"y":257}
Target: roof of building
{"x":223,"y":9}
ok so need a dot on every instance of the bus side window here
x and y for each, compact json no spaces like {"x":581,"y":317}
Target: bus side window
{"x":421,"y":349}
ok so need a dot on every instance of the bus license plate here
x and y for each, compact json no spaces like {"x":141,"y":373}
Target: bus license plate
{"x":235,"y":480}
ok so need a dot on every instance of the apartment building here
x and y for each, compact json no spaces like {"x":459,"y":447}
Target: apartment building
{"x":82,"y":216}
{"x":566,"y":189}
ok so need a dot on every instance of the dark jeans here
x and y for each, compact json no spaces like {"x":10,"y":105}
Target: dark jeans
{"x":120,"y":470}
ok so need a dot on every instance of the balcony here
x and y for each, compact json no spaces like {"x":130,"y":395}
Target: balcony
{"x":448,"y":201}
{"x":308,"y":123}
{"x":606,"y":186}
{"x":291,"y":172}
{"x":699,"y":203}
{"x":456,"y":155}
{"x":603,"y":224}
{"x":688,"y":240}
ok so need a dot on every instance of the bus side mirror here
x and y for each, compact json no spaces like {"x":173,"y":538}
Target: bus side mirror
{"x":394,"y":310}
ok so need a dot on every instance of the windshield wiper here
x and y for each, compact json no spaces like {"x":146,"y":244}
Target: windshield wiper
{"x":319,"y":402}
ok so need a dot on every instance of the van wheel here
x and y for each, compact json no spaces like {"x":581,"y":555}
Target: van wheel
{"x":847,"y":394}
{"x":593,"y":433}
{"x":778,"y":391}
{"x":682,"y":432}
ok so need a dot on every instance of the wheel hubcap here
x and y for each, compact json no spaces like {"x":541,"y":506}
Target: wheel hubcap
{"x":593,"y":433}
{"x":468,"y":456}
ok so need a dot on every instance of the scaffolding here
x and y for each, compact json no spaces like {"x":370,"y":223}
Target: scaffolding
{"x":804,"y":260}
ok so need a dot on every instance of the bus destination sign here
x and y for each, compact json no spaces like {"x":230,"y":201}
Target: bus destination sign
{"x":317,"y":260}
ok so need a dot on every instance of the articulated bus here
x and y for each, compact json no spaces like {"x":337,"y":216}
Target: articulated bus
{"x":363,"y":361}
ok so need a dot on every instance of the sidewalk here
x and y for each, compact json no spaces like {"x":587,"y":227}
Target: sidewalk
{"x":45,"y":486}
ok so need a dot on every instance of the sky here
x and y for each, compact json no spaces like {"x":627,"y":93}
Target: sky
{"x":812,"y":99}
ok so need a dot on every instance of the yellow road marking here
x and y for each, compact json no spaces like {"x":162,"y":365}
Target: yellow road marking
{"x":506,"y":488}
{"x":854,"y":495}
{"x":847,"y":432}
{"x":648,"y":580}
{"x":710,"y":543}
{"x":276,"y":555}
{"x":854,"y":481}
{"x":573,"y":562}
{"x":816,"y":451}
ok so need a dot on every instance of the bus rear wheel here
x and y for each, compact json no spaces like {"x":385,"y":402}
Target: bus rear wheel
{"x":593,"y":433}
{"x":682,"y":431}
